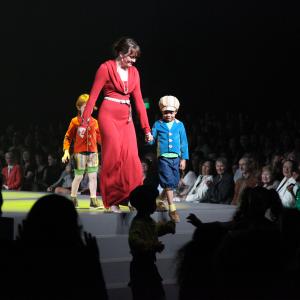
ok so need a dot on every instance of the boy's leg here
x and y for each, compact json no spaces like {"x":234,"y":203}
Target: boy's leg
{"x":80,"y":161}
{"x":75,"y":186}
{"x":92,"y":169}
{"x":93,"y":190}
{"x":172,"y":208}
{"x":169,"y":178}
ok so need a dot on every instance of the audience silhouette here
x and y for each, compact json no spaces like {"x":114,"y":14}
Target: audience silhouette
{"x":145,"y":280}
{"x":52,"y":258}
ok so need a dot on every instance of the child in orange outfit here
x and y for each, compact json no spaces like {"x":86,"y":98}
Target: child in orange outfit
{"x":85,"y":152}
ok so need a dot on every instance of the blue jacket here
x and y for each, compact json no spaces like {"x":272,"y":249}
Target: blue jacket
{"x":173,"y":140}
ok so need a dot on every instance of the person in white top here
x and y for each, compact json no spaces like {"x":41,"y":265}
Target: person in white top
{"x":285,"y":195}
{"x":201,"y":185}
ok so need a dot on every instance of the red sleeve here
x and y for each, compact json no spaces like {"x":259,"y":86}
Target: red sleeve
{"x":99,"y":81}
{"x":16,"y":184}
{"x":70,"y":135}
{"x":140,"y":106}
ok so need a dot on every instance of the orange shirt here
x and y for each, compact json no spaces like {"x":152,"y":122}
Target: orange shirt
{"x":86,"y":144}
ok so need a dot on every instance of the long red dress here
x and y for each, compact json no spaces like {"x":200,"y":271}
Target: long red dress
{"x":121,"y":169}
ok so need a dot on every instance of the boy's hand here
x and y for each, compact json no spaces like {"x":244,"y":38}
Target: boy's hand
{"x":66,"y":156}
{"x":182,"y":164}
{"x":149,"y":137}
{"x":191,"y":218}
{"x":159,"y":247}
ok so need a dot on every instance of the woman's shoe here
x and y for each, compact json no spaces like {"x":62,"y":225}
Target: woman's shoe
{"x":115,"y":209}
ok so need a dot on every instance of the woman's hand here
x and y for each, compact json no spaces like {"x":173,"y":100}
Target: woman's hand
{"x":81,"y":131}
{"x":149,"y":137}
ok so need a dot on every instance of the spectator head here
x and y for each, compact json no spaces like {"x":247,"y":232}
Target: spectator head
{"x":143,"y":198}
{"x":255,"y":202}
{"x":207,"y":167}
{"x":288,"y":167}
{"x":39,"y":159}
{"x":9,"y":158}
{"x":52,"y":219}
{"x":26,"y":155}
{"x":68,"y":168}
{"x":266,"y":175}
{"x":52,"y":160}
{"x":244,"y":165}
{"x":221,"y":165}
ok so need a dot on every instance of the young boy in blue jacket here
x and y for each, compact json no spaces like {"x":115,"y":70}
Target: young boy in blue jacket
{"x":172,"y":149}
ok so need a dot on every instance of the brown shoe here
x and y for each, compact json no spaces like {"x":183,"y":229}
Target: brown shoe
{"x":174,"y":216}
{"x":94,"y":203}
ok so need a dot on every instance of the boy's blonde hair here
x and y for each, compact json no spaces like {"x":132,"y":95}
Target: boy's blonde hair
{"x":82,"y":99}
{"x":169,"y":103}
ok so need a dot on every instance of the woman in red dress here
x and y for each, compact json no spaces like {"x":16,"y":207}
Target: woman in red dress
{"x":121,"y":169}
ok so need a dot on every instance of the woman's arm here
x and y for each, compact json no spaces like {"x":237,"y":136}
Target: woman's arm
{"x":99,"y":81}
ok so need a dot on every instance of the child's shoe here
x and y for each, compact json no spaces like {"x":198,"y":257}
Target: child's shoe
{"x":174,"y":216}
{"x":94,"y":203}
{"x":74,"y":201}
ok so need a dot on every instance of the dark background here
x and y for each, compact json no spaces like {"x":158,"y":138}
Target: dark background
{"x":214,"y":55}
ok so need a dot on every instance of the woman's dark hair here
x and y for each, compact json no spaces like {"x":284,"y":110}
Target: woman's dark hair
{"x":126,"y":45}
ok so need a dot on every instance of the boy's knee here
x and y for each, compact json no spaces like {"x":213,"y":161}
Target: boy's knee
{"x":78,"y":177}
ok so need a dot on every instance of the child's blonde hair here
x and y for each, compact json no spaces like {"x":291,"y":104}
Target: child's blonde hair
{"x":82,"y":99}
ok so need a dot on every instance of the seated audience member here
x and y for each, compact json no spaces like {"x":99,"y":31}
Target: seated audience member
{"x":188,"y":179}
{"x":267,"y":179}
{"x":53,"y":170}
{"x":201,"y":185}
{"x":294,"y":189}
{"x":222,"y":186}
{"x":276,"y":165}
{"x":52,"y":248}
{"x":39,"y":183}
{"x":28,"y":169}
{"x":64,"y":183}
{"x":248,"y":178}
{"x":287,"y":199}
{"x":12,"y":173}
